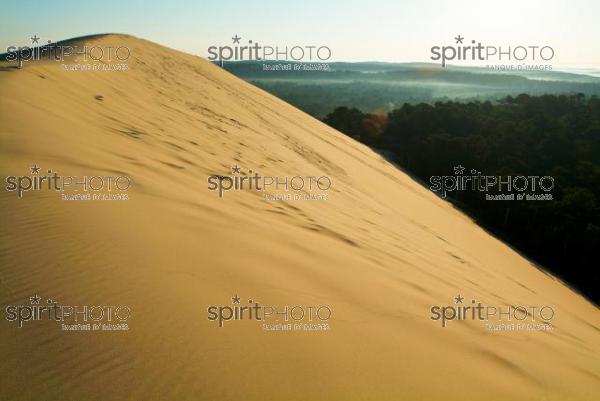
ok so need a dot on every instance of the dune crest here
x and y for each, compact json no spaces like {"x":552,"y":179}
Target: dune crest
{"x":381,"y":251}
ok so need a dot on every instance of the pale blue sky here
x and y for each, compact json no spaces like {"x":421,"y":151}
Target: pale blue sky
{"x":354,"y":30}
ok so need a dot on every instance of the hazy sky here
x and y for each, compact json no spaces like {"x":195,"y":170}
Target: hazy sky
{"x":354,"y":30}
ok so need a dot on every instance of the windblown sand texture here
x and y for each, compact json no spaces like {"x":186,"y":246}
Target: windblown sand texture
{"x":381,"y":251}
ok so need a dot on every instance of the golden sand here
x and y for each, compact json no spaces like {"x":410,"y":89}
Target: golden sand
{"x":380,"y":251}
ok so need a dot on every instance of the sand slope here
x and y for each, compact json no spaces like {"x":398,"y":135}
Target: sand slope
{"x":380,"y":251}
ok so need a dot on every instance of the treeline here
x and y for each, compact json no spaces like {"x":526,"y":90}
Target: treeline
{"x":387,"y":86}
{"x":557,"y":136}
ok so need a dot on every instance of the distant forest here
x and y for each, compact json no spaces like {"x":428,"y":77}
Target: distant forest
{"x":548,"y":135}
{"x":384,"y":87}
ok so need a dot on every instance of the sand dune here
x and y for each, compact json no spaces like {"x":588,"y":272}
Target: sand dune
{"x":380,"y":251}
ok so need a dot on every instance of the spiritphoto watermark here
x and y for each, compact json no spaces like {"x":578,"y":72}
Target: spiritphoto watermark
{"x":275,"y":188}
{"x":71,"y":188}
{"x":272,"y":318}
{"x":495,"y":187}
{"x":495,"y":317}
{"x":294,"y":57}
{"x":520,"y":57}
{"x":93,"y":57}
{"x":69,"y":317}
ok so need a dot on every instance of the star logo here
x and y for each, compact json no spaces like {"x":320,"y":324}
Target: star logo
{"x":459,"y":39}
{"x":458,"y":299}
{"x":235,"y":169}
{"x":34,"y":39}
{"x":35,"y":169}
{"x":235,"y":299}
{"x":236,"y":39}
{"x":35,"y":300}
{"x":459,"y":169}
